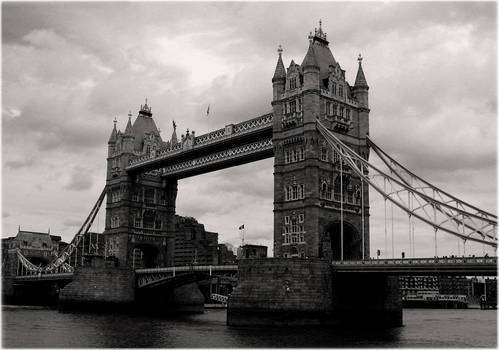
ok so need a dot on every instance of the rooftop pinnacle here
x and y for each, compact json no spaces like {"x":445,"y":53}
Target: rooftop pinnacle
{"x":310,"y":59}
{"x":360,"y":80}
{"x":280,"y":72}
{"x":114,"y":133}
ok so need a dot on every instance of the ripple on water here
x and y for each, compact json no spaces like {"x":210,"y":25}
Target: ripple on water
{"x":44,"y":327}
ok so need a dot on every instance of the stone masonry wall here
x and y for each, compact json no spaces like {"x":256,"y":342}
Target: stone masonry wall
{"x":99,"y":284}
{"x":280,"y":291}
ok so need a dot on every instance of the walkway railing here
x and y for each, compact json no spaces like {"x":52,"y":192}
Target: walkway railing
{"x":174,"y":269}
{"x":230,"y":131}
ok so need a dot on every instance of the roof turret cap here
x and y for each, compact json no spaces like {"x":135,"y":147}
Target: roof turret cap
{"x":114,"y":133}
{"x":310,"y":59}
{"x":280,"y":71}
{"x":360,"y":79}
{"x":145,"y":110}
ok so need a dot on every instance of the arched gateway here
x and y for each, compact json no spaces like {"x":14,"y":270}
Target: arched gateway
{"x":313,"y":189}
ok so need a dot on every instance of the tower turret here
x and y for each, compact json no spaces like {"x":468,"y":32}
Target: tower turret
{"x":311,"y":69}
{"x":361,"y":88}
{"x":279,"y":78}
{"x":112,"y":140}
{"x":128,"y":137}
{"x":361,"y":93}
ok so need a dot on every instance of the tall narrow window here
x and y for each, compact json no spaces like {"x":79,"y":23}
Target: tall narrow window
{"x":301,"y":191}
{"x":333,"y":88}
{"x":340,"y":90}
{"x":300,"y":153}
{"x":149,"y":195}
{"x":324,"y":153}
{"x":292,"y":83}
{"x":137,"y":222}
{"x":292,"y":106}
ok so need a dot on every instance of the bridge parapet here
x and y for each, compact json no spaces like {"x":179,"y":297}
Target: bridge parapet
{"x":420,"y":261}
{"x":230,"y":131}
{"x":478,"y":266}
{"x":174,"y":269}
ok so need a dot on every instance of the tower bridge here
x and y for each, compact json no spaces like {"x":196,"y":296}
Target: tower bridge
{"x":318,"y":135}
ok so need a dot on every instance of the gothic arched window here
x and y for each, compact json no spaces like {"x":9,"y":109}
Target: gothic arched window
{"x":148,"y":219}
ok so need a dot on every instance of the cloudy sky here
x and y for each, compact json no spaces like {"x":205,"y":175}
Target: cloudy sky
{"x":68,"y":69}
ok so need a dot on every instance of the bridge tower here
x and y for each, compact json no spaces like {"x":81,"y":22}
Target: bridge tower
{"x":140,"y":208}
{"x":315,"y":196}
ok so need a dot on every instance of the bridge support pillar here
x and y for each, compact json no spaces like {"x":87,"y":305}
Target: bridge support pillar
{"x":9,"y":267}
{"x":367,"y":299}
{"x":282,"y":291}
{"x":188,"y":298}
{"x":100,"y":284}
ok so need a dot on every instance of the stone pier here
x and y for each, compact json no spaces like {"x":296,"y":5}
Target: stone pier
{"x":100,"y":284}
{"x":283,"y":291}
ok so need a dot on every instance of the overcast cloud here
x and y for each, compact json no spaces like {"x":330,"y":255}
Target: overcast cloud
{"x":70,"y":68}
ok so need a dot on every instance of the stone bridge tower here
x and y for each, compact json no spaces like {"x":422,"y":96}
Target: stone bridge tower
{"x":307,"y":183}
{"x":140,"y":209}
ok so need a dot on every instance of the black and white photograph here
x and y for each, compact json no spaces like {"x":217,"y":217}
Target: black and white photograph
{"x":201,"y":174}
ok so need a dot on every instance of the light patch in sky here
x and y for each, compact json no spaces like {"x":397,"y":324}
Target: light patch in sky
{"x":184,"y":52}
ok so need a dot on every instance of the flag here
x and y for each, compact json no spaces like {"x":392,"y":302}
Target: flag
{"x":208,"y":111}
{"x":241,"y":227}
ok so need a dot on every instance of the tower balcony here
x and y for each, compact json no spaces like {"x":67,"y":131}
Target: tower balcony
{"x":345,"y":169}
{"x":290,"y":120}
{"x":340,"y":123}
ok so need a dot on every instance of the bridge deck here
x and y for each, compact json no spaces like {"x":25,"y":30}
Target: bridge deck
{"x":481,"y":266}
{"x":44,"y":277}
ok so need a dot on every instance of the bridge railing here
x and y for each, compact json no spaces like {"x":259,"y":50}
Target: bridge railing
{"x":175,"y":269}
{"x":420,"y":261}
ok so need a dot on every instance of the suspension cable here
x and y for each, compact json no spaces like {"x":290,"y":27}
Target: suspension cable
{"x":341,"y":205}
{"x":443,"y":207}
{"x":386,"y":232}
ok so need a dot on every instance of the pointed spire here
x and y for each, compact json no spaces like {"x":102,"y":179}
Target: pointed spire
{"x":360,"y":80}
{"x":310,"y":59}
{"x":128,"y":129}
{"x":280,"y":71}
{"x":174,"y":140}
{"x":114,"y":133}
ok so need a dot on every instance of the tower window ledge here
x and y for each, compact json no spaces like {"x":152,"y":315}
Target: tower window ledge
{"x":293,"y":92}
{"x":326,"y":93}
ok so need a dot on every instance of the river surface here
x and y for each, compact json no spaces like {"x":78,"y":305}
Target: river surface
{"x":30,"y":327}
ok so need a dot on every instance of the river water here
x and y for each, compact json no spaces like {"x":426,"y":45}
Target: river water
{"x":29,"y":327}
